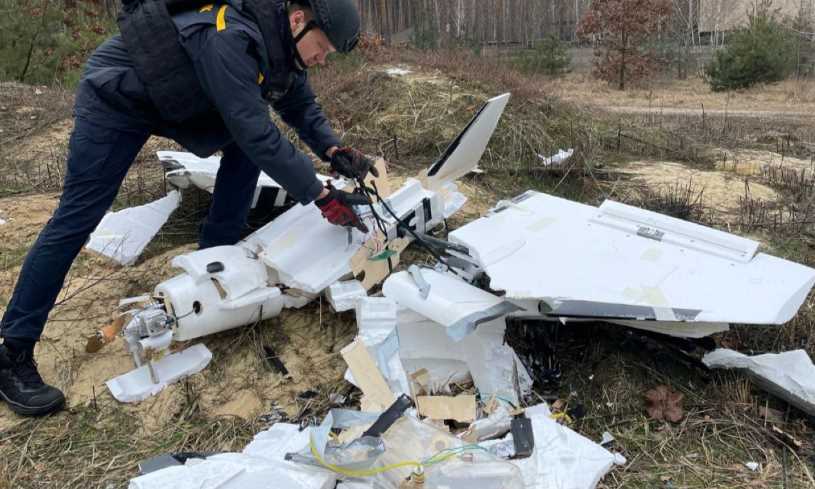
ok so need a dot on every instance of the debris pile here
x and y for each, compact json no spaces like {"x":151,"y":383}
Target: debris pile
{"x":446,"y":402}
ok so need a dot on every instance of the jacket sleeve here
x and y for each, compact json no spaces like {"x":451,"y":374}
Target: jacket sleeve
{"x":229,"y":76}
{"x":300,"y":110}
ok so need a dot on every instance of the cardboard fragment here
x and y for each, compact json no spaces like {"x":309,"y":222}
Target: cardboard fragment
{"x":368,"y":377}
{"x":460,"y":408}
{"x":372,"y":272}
{"x":420,"y":382}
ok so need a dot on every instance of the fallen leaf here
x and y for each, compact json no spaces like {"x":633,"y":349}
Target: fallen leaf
{"x":664,"y":404}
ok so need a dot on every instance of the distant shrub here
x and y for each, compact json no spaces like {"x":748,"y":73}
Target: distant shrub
{"x":762,"y":52}
{"x":40,"y":42}
{"x":549,"y":56}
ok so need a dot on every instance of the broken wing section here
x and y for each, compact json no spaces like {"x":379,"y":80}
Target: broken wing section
{"x":620,"y":263}
{"x":123,"y":235}
{"x":464,"y":153}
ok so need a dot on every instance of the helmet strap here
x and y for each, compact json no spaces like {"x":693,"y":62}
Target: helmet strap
{"x":309,"y":26}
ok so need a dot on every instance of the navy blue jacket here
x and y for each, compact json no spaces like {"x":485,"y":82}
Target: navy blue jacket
{"x":224,"y":46}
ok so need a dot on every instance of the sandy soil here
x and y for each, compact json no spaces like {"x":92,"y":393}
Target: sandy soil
{"x":787,"y":97}
{"x":721,"y":191}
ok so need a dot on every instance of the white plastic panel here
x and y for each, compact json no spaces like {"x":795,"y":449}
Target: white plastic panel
{"x":789,"y":375}
{"x":681,"y":233}
{"x":451,"y":302}
{"x":309,"y":253}
{"x":200,"y":172}
{"x":123,"y":235}
{"x":483,"y":354}
{"x":202,"y":311}
{"x":464,"y":153}
{"x":543,"y":247}
{"x":242,"y":271}
{"x":137,"y":385}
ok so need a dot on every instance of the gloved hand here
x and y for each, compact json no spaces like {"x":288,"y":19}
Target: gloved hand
{"x":351,"y":163}
{"x":337,"y":208}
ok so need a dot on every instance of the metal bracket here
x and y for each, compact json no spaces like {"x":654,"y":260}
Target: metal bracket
{"x":424,"y":287}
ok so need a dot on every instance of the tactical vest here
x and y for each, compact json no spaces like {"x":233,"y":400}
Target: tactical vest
{"x":152,"y":40}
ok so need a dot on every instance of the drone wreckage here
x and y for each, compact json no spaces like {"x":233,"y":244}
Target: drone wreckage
{"x":541,"y":256}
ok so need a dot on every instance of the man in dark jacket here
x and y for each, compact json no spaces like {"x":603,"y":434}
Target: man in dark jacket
{"x":239,"y":56}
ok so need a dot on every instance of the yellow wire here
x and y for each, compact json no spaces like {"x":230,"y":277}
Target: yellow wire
{"x":359,"y":473}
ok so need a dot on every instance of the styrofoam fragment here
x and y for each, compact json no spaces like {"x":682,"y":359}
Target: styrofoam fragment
{"x":137,"y":385}
{"x":376,"y":315}
{"x":376,"y":320}
{"x":212,"y":475}
{"x":455,"y":304}
{"x":563,"y":458}
{"x":398,"y":71}
{"x":343,"y":296}
{"x":789,"y":375}
{"x":556,"y":158}
{"x":261,"y":463}
{"x":277,"y":441}
{"x":425,"y":344}
{"x":123,"y":235}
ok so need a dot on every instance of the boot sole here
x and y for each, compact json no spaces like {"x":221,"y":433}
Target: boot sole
{"x":23,"y":410}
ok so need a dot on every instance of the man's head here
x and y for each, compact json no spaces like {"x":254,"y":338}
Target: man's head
{"x":321,"y":27}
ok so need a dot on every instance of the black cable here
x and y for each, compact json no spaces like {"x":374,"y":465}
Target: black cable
{"x":401,"y":224}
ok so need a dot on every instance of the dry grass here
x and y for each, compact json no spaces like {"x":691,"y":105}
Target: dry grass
{"x":789,"y":96}
{"x":97,"y":442}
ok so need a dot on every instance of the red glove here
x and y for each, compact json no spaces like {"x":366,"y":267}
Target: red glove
{"x":337,"y":208}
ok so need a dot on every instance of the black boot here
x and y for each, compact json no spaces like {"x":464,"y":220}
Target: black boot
{"x":22,"y":387}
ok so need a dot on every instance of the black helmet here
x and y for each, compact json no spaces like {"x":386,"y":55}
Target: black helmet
{"x":339,"y":20}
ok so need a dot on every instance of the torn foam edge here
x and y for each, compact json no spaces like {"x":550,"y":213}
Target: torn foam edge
{"x":789,"y":375}
{"x":137,"y":385}
{"x":482,"y":356}
{"x":123,"y":235}
{"x":561,"y":458}
{"x":453,"y":303}
{"x":556,"y":158}
{"x":344,"y":296}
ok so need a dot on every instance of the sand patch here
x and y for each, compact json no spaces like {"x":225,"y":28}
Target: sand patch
{"x":721,"y":191}
{"x":25,"y":217}
{"x":48,"y":145}
{"x":755,"y":162}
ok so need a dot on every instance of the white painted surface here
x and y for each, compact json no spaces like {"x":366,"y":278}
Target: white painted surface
{"x":563,"y":458}
{"x":136,"y":385}
{"x":557,"y":158}
{"x":344,"y":296}
{"x":466,"y":151}
{"x":543,"y":247}
{"x":201,"y":172}
{"x":789,"y":375}
{"x":260,"y":465}
{"x":123,"y":235}
{"x":451,"y":302}
{"x":309,"y":253}
{"x":481,"y":355}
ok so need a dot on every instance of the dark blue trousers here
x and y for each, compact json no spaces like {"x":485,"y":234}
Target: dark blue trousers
{"x":98,"y":160}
